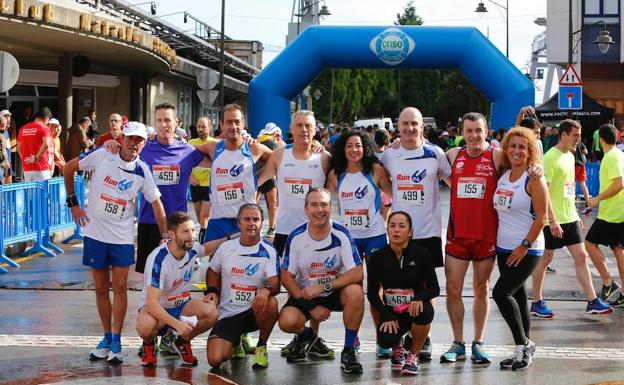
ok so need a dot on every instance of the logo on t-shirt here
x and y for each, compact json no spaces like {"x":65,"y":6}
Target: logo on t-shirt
{"x":330,"y":262}
{"x":124,"y":184}
{"x":252,"y":269}
{"x":236,"y":170}
{"x":418,"y":176}
{"x":360,"y":192}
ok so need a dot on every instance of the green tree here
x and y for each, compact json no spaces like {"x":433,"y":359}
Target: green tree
{"x":458,"y":96}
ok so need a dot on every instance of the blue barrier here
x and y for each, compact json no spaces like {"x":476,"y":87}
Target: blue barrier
{"x":30,"y":211}
{"x":593,"y":179}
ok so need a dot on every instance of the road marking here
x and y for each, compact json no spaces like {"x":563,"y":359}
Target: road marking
{"x":55,"y":341}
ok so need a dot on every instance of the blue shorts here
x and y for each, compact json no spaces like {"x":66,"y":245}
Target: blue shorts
{"x":175,"y":312}
{"x":366,"y":246}
{"x":220,"y":227}
{"x":101,"y":255}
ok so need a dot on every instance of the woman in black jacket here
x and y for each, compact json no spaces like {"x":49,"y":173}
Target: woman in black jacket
{"x":406,"y":274}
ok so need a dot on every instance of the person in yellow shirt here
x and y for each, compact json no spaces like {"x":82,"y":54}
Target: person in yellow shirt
{"x":608,"y":228}
{"x":200,"y":177}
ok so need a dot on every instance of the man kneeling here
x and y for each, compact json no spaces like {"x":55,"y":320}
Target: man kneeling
{"x":322,"y":272}
{"x":166,"y":295}
{"x":243,"y":279}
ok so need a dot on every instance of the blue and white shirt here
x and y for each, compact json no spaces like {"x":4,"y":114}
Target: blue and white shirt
{"x":359,"y":203}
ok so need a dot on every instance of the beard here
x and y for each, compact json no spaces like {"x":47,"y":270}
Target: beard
{"x":186,"y":246}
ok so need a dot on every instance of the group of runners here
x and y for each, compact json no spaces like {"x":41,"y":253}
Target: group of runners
{"x":500,"y":201}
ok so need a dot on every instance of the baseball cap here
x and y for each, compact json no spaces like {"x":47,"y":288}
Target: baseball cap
{"x":135,"y":129}
{"x":5,"y":112}
{"x":270,"y":128}
{"x":52,"y":121}
{"x":181,"y":132}
{"x":445,"y":133}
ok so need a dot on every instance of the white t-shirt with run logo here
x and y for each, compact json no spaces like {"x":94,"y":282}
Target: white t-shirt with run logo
{"x":114,"y":185}
{"x":173,"y":276}
{"x":244,"y":271}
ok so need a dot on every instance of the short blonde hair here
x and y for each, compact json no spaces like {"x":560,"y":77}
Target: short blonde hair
{"x":529,"y":136}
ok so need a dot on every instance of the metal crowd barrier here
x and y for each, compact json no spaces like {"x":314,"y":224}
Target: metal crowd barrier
{"x":30,"y":211}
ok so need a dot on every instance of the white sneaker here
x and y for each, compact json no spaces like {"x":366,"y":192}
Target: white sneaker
{"x":114,"y":355}
{"x":101,"y":351}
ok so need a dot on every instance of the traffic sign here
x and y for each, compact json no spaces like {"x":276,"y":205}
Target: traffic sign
{"x":570,"y":77}
{"x":570,"y":97}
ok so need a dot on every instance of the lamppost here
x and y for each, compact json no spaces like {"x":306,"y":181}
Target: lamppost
{"x":481,"y":9}
{"x":604,"y":40}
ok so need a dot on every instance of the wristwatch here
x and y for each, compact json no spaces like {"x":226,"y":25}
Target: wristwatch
{"x":526,"y":243}
{"x":328,"y":287}
{"x":71,"y":200}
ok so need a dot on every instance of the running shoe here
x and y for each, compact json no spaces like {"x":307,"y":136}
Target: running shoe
{"x":319,"y":349}
{"x":101,"y":351}
{"x":239,"y":351}
{"x":425,"y":351}
{"x":551,"y":270}
{"x":114,"y":355}
{"x":539,"y":309}
{"x":247,"y":344}
{"x":148,"y":355}
{"x":609,"y":291}
{"x":619,"y":302}
{"x":507,"y":363}
{"x":183,"y":348}
{"x":383,"y":352}
{"x":300,"y":350}
{"x":167,"y":343}
{"x":270,"y":233}
{"x":598,"y":306}
{"x":411,"y":364}
{"x":457,"y":351}
{"x":398,"y":358}
{"x":478,"y":355}
{"x":523,"y":357}
{"x":287,"y":348}
{"x":586,"y":210}
{"x":261,"y":359}
{"x":349,"y":362}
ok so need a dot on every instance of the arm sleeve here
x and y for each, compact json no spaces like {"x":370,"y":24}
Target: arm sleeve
{"x":289,"y":261}
{"x":373,"y":284}
{"x":428,"y":277}
{"x":149,"y":189}
{"x":215,"y":262}
{"x":200,"y":251}
{"x":548,"y":171}
{"x":196,"y":157}
{"x":89,"y":161}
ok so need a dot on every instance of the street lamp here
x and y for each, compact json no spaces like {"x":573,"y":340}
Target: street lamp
{"x":481,"y":10}
{"x":603,"y":40}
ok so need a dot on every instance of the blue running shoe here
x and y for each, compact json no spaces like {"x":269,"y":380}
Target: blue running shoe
{"x":101,"y":351}
{"x":539,"y":309}
{"x":457,"y":351}
{"x":598,"y":306}
{"x":479,"y":356}
{"x":383,"y":353}
{"x":114,"y":355}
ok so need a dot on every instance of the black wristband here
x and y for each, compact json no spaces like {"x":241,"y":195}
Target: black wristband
{"x":211,"y":289}
{"x":71,"y":200}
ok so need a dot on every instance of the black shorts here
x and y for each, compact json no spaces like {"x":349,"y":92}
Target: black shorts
{"x":279,"y":243}
{"x":606,"y":233}
{"x":434,"y":247}
{"x":231,"y":328}
{"x":571,"y":236}
{"x":200,"y":193}
{"x":332,"y":302}
{"x":266,"y":186}
{"x":148,"y":238}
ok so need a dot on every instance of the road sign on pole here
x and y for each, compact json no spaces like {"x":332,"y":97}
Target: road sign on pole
{"x":570,"y":77}
{"x":570,"y":97}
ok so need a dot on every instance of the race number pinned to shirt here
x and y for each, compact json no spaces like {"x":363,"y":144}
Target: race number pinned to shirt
{"x":111,"y":207}
{"x":396,"y":297}
{"x":229,"y":194}
{"x":356,"y":219}
{"x":321,"y":278}
{"x":297,"y":187}
{"x":569,"y":190}
{"x":473,"y":188}
{"x":242,"y":295}
{"x":178,"y":300}
{"x":411,"y":194}
{"x":166,"y":175}
{"x":502,"y":199}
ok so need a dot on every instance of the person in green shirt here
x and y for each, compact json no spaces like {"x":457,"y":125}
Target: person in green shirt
{"x":564,"y":226}
{"x":597,"y":149}
{"x":608,"y":228}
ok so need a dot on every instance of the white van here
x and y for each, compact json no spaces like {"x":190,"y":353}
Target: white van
{"x":380,"y":122}
{"x":428,"y":121}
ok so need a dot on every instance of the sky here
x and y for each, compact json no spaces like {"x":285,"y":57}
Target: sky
{"x":267,"y":20}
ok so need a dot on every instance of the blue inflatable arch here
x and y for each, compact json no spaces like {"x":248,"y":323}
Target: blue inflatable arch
{"x":405,"y":47}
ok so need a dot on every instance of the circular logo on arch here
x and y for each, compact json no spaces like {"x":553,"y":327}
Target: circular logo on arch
{"x":392,"y":46}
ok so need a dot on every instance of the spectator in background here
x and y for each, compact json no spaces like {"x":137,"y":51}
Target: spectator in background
{"x":7,"y":132}
{"x":92,"y":130}
{"x":200,"y":177}
{"x":77,"y":139}
{"x":5,"y":167}
{"x":552,"y":138}
{"x":382,"y":141}
{"x":57,"y":162}
{"x":597,"y":150}
{"x":114,"y":125}
{"x":444,"y":141}
{"x":32,"y":145}
{"x":580,"y":158}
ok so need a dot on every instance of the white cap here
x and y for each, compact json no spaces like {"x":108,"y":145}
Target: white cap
{"x":5,"y":112}
{"x":270,"y":128}
{"x":135,"y":129}
{"x":53,"y":121}
{"x":150,"y":130}
{"x":181,"y":132}
{"x":444,"y":133}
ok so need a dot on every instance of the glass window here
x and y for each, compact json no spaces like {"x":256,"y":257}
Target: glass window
{"x":22,"y":90}
{"x":592,"y":7}
{"x":610,"y":7}
{"x":47,"y":91}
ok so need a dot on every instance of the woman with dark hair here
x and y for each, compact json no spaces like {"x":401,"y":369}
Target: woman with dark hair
{"x":405,"y":273}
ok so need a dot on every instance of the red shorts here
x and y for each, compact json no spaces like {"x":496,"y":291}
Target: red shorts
{"x":579,"y":173}
{"x":470,"y":249}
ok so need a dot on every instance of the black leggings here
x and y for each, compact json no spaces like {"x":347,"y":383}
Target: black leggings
{"x":510,"y":295}
{"x":389,"y":340}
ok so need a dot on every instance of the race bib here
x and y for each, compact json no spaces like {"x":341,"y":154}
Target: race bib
{"x":411,"y":194}
{"x":569,"y":190}
{"x":242,"y":295}
{"x":166,"y":175}
{"x":111,"y":207}
{"x":473,"y":188}
{"x":322,"y":277}
{"x":178,"y":300}
{"x":229,"y":194}
{"x":297,"y":188}
{"x":398,"y":296}
{"x":502,"y":200}
{"x":356,"y":219}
